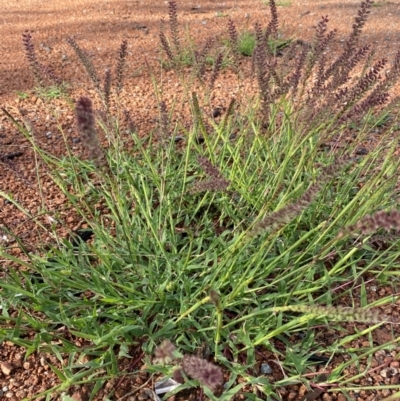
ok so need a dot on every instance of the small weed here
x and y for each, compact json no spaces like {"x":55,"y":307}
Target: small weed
{"x":52,"y":92}
{"x":23,"y":95}
{"x":279,"y":3}
{"x":379,"y":3}
{"x":138,"y":72}
{"x":246,"y":43}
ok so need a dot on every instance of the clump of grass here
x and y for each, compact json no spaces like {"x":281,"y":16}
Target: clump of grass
{"x":246,"y":44}
{"x":179,"y":56}
{"x":218,"y":261}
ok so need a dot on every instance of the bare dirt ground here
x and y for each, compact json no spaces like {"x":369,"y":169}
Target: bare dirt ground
{"x":99,"y":27}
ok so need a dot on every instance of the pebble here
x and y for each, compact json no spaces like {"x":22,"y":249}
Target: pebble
{"x":6,"y":368}
{"x":362,"y":152}
{"x":266,"y":369}
{"x":388,"y":372}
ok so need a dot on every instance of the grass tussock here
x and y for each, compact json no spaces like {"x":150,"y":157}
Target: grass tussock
{"x":237,"y":238}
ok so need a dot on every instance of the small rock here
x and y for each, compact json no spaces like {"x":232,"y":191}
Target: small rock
{"x":49,"y":135}
{"x":79,"y":396}
{"x":362,"y":152}
{"x":216,"y":112}
{"x":20,"y":394}
{"x":6,"y":368}
{"x":388,"y":372}
{"x":266,"y":369}
{"x":45,"y":47}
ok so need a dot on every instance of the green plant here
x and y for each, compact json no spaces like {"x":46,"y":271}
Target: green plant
{"x":239,"y":243}
{"x":246,"y":43}
{"x":23,"y":95}
{"x":171,"y":243}
{"x":279,"y":3}
{"x":52,"y":92}
{"x":179,"y":56}
{"x":379,"y":3}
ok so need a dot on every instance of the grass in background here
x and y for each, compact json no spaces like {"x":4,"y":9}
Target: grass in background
{"x":232,"y":242}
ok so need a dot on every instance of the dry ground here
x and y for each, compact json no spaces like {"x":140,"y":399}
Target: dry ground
{"x":99,"y":26}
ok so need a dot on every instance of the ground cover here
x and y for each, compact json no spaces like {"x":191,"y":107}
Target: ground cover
{"x":246,"y":211}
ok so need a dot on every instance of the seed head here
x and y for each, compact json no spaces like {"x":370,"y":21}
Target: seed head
{"x":119,"y":72}
{"x":85,"y":122}
{"x":206,"y":373}
{"x":164,"y":353}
